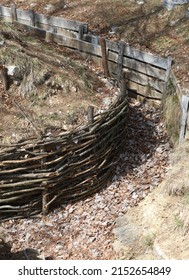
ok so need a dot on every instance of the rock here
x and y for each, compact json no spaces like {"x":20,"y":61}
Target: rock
{"x":140,"y":2}
{"x":126,"y":234}
{"x":2,"y":42}
{"x":13,"y":70}
{"x":107,"y":101}
{"x":169,"y":4}
{"x":49,"y":8}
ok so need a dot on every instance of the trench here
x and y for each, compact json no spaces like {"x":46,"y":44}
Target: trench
{"x":83,"y":230}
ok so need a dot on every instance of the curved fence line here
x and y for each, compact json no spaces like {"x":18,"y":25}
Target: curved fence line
{"x":39,"y":175}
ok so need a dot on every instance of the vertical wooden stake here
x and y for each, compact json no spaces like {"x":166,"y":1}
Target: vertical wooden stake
{"x":32,"y":17}
{"x":80,"y":32}
{"x":4,"y":77}
{"x":121,"y":48}
{"x":104,"y":57}
{"x":49,"y":37}
{"x":90,"y":115}
{"x":45,"y":199}
{"x":13,"y":12}
{"x":123,"y":86}
{"x":185,"y":102}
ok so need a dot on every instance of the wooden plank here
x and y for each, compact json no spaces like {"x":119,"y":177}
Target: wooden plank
{"x":78,"y":45}
{"x":139,"y":55}
{"x":185,"y":102}
{"x":31,"y":29}
{"x":5,"y":12}
{"x":139,"y":66}
{"x":139,"y":78}
{"x":91,"y":39}
{"x":154,"y":102}
{"x":60,"y":22}
{"x":144,"y":91}
{"x":60,"y":31}
{"x":23,"y":15}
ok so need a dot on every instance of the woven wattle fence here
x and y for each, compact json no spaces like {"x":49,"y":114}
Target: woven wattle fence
{"x":41,"y":174}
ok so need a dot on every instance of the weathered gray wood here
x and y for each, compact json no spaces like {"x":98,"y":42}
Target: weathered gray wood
{"x":5,"y":12}
{"x":104,"y":56}
{"x":176,"y":85}
{"x":31,"y":30}
{"x":23,"y":15}
{"x":142,"y":67}
{"x":185,"y":102}
{"x":144,"y":91}
{"x":13,"y":12}
{"x":77,"y":44}
{"x":60,"y":22}
{"x":81,"y":31}
{"x":45,"y":200}
{"x":4,"y":77}
{"x":49,"y":37}
{"x":90,"y":115}
{"x":139,"y":55}
{"x":32,"y":18}
{"x":121,"y":47}
{"x":60,"y":31}
{"x":168,"y":71}
{"x":123,"y":85}
{"x":91,"y":39}
{"x":139,"y":78}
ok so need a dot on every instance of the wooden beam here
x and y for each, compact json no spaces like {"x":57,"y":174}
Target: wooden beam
{"x":60,"y":22}
{"x":139,"y":66}
{"x":185,"y":102}
{"x":139,"y":78}
{"x":5,"y":12}
{"x":139,"y":55}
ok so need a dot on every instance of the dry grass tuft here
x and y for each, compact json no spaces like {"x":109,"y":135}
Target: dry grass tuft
{"x":177,"y":180}
{"x":172,"y":116}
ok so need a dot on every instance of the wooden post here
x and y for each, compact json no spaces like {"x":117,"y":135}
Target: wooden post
{"x":80,"y":32}
{"x":45,"y":199}
{"x":121,"y":47}
{"x":4,"y":77}
{"x":185,"y":102}
{"x":90,"y":115}
{"x":123,"y":86}
{"x":13,"y":12}
{"x":104,"y":56}
{"x":32,"y":18}
{"x":167,"y":73}
{"x":49,"y":37}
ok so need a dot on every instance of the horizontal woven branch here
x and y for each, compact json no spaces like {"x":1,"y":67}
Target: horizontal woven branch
{"x":37,"y":175}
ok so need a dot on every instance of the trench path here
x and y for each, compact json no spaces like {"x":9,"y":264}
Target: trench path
{"x":83,"y":230}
